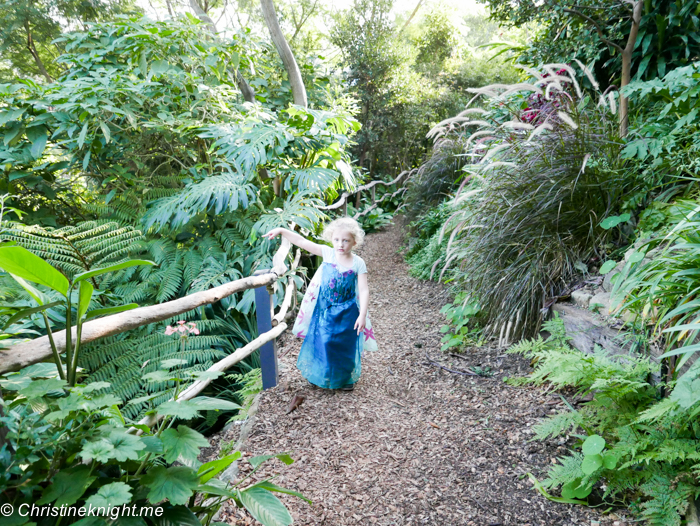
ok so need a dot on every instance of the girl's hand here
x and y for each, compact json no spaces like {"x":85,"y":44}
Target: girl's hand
{"x":272,"y":234}
{"x":360,"y":324}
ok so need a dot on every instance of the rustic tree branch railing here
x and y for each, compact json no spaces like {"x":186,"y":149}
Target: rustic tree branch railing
{"x":342,"y":202}
{"x":34,"y":351}
{"x":270,"y":325}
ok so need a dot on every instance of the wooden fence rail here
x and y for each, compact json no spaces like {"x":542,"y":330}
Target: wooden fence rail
{"x":270,"y":325}
{"x":342,"y":202}
{"x":34,"y":351}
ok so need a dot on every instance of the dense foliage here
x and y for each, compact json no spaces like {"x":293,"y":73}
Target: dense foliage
{"x":541,"y":169}
{"x":669,"y":34}
{"x":632,"y":442}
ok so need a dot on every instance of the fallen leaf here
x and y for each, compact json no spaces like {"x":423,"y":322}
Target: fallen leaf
{"x":295,"y":402}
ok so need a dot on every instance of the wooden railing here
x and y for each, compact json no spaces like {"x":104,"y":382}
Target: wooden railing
{"x":39,"y":349}
{"x":270,"y":325}
{"x":342,"y":203}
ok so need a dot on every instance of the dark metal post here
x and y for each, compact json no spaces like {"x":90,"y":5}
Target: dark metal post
{"x":268,"y":352}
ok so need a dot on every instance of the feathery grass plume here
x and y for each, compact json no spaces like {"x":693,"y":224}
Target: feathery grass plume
{"x":515,"y":243}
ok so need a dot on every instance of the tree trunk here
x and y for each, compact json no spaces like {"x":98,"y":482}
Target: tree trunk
{"x":627,"y":66}
{"x":243,"y":86}
{"x":32,"y":49}
{"x":285,"y":52}
{"x":411,"y":17}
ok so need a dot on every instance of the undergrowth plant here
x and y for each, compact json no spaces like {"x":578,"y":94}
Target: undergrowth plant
{"x":544,"y":171}
{"x":630,"y":445}
{"x":72,"y":448}
{"x":460,"y":328}
{"x":662,"y":290}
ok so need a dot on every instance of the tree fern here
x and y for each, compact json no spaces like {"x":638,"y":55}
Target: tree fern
{"x":75,"y":249}
{"x":123,"y":360}
{"x":216,"y":194}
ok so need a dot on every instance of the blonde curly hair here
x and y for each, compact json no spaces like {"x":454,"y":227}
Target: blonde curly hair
{"x":344,"y":223}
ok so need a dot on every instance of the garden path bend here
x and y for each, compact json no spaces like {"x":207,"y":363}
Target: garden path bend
{"x":412,"y":444}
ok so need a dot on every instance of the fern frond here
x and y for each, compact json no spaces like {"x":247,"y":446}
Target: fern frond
{"x":74,"y":249}
{"x":216,"y":193}
{"x":557,"y":425}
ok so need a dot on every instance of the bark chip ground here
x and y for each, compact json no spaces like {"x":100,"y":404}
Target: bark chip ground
{"x":412,"y":444}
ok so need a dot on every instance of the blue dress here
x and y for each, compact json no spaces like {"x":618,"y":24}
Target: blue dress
{"x":331,"y":354}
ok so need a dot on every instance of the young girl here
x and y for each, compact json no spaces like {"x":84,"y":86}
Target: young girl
{"x":333,"y":316}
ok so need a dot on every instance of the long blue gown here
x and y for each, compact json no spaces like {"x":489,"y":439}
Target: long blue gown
{"x":330,"y":356}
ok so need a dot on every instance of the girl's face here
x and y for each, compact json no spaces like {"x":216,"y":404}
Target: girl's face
{"x":343,"y":241}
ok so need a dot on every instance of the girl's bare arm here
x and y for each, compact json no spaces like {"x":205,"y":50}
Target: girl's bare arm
{"x":296,"y":239}
{"x":363,"y":289}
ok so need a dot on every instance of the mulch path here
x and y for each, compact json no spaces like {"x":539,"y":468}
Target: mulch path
{"x":413,"y":444}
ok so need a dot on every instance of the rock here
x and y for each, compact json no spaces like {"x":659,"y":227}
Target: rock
{"x":602,"y":301}
{"x":607,"y":283}
{"x":587,"y":330}
{"x":581,"y":298}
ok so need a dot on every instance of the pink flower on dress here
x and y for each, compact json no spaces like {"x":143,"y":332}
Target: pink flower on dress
{"x":369,"y":333}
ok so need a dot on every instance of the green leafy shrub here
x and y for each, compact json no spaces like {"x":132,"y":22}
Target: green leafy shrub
{"x":659,"y":284}
{"x":372,"y":221}
{"x":72,"y":447}
{"x":545,"y":172}
{"x":633,"y":444}
{"x":459,"y":330}
{"x":664,"y":138}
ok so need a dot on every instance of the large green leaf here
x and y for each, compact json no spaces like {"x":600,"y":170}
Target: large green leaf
{"x":126,"y":445}
{"x":110,"y":310}
{"x":213,"y":404}
{"x":33,"y":292}
{"x":212,"y":468}
{"x":39,"y":388}
{"x":85,"y":291}
{"x":182,"y":442}
{"x":28,"y":312}
{"x":175,"y":516}
{"x":20,"y":262}
{"x":184,"y":410}
{"x":67,"y":487}
{"x":111,"y":268}
{"x":257,"y":461}
{"x":174,"y":484}
{"x":114,"y":494}
{"x":269,"y":486}
{"x":125,"y":520}
{"x":591,"y":463}
{"x":593,"y":445}
{"x":37,"y":135}
{"x":100,"y":450}
{"x":265,"y":507}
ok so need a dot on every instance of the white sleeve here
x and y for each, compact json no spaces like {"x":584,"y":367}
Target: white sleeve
{"x":327,"y":253}
{"x":361,"y":267}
